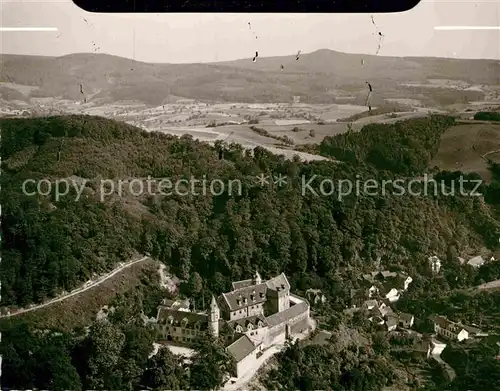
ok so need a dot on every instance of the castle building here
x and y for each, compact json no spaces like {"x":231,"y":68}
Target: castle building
{"x":255,"y":315}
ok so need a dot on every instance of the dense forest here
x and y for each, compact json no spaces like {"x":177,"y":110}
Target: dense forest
{"x":52,"y":245}
{"x":111,"y":354}
{"x":325,"y":241}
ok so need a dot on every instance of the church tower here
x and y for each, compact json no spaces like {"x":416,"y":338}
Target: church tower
{"x":257,"y":279}
{"x":214,"y":317}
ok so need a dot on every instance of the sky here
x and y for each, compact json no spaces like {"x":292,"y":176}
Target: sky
{"x":189,"y":38}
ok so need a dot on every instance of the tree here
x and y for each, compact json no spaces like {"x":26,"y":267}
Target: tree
{"x":166,"y":371}
{"x":106,"y":344}
{"x":195,"y":283}
{"x":210,"y":364}
{"x":55,"y":370}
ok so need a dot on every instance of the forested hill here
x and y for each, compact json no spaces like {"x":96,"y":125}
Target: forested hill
{"x":52,"y":245}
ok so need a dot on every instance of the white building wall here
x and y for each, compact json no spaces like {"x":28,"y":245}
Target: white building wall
{"x":462,"y":335}
{"x":246,"y":364}
{"x":238,"y":314}
{"x":437,"y":348}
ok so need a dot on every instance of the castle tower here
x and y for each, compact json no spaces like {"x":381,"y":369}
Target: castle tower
{"x":214,"y":317}
{"x":257,"y":278}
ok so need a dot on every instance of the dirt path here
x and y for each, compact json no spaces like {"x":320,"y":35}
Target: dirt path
{"x":489,"y":285}
{"x":447,"y":367}
{"x":490,"y":152}
{"x":77,"y":291}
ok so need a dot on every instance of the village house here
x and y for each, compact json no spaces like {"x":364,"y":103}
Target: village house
{"x":389,"y":285}
{"x":448,"y":329}
{"x":392,"y":294}
{"x":245,"y":354}
{"x":254,"y":316}
{"x":454,"y":330}
{"x":476,"y":262}
{"x":429,"y":346}
{"x":406,"y":320}
{"x":315,"y":296}
{"x":372,"y":291}
{"x":370,"y":304}
{"x":392,"y":322}
{"x":380,"y":312}
{"x":435,"y":264}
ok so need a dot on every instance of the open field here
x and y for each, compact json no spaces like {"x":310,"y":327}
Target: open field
{"x":222,"y":101}
{"x":464,"y":147}
{"x":299,"y":123}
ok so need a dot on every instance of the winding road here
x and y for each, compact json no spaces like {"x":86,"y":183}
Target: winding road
{"x":488,"y":285}
{"x":77,"y":291}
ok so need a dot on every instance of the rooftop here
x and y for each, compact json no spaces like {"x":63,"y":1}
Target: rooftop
{"x":476,"y":261}
{"x":278,"y":283}
{"x":405,"y":317}
{"x":253,"y":320}
{"x":370,"y":303}
{"x":289,"y":313}
{"x":241,"y":348}
{"x":391,"y":321}
{"x":447,"y":324}
{"x":243,"y":297}
{"x":388,"y":274}
{"x":176,"y":317}
{"x":241,"y":284}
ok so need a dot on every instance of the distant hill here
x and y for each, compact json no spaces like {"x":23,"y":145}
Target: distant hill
{"x":372,"y":67}
{"x":319,"y":77}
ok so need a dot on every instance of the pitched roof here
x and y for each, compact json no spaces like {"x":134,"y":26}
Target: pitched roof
{"x":447,"y":324}
{"x":370,"y":276}
{"x":476,"y":261}
{"x":405,"y":317}
{"x":241,"y":348}
{"x":391,"y":321}
{"x":385,"y":310}
{"x":283,"y":316}
{"x":181,"y":304}
{"x":168,"y":302}
{"x":236,"y":299}
{"x":278,"y":283}
{"x":388,"y":274}
{"x":471,"y":329}
{"x":241,"y":284}
{"x":254,"y":320}
{"x":441,"y":321}
{"x":370,"y":303}
{"x":177,"y":317}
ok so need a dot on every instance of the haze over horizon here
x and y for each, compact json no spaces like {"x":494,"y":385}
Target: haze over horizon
{"x":202,"y":38}
{"x":234,"y":59}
